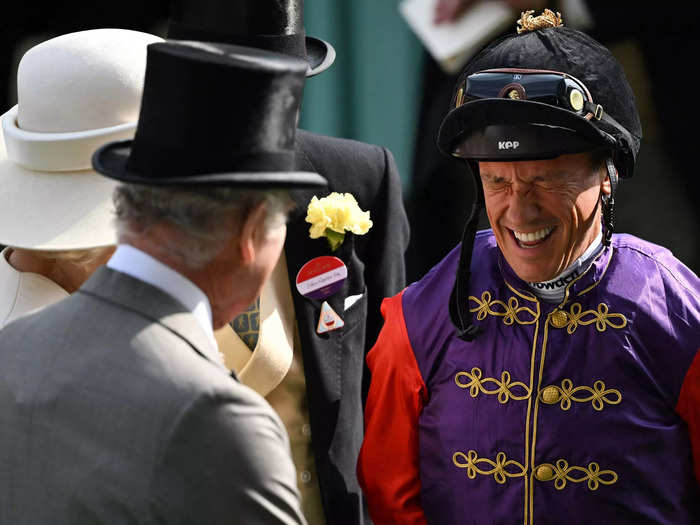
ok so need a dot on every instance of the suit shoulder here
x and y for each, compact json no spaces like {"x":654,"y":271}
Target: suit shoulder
{"x":178,"y":370}
{"x":147,"y":354}
{"x":348,"y":165}
{"x":314,"y":144}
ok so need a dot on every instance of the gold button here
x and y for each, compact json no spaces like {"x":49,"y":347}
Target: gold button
{"x":551,"y":395}
{"x":559,"y":319}
{"x":544,"y":473}
{"x":576,"y":99}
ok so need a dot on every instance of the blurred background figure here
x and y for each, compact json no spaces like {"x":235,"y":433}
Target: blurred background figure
{"x":385,"y":89}
{"x":76,"y":92}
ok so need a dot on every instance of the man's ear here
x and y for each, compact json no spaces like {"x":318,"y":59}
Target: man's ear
{"x":252,"y":230}
{"x":606,"y":185}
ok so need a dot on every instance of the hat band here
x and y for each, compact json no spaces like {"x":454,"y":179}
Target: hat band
{"x":65,"y":151}
{"x":294,"y":44}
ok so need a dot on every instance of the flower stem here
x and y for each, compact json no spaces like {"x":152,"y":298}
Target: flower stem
{"x":335,"y":239}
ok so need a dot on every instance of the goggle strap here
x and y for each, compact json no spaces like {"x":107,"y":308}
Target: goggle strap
{"x":595,"y":110}
{"x":600,"y":115}
{"x":611,"y":124}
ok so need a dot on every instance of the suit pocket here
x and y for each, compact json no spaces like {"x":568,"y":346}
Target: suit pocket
{"x":351,"y":300}
{"x":355,"y":314}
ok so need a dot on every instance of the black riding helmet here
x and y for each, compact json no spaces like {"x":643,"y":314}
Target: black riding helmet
{"x":547,"y":91}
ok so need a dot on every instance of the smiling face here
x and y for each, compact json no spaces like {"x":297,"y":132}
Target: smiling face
{"x":544,"y":213}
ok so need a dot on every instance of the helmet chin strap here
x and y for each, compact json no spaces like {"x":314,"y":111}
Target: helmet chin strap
{"x":609,"y":203}
{"x":459,"y":298}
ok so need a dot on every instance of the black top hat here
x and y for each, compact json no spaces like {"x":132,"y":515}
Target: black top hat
{"x":275,"y":25}
{"x":545,"y":130}
{"x":213,"y":114}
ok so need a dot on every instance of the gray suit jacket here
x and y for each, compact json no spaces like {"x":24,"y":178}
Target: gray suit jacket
{"x":111,"y":413}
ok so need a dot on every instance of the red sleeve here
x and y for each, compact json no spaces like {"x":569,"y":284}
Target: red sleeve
{"x":388,"y":464}
{"x":689,"y":409}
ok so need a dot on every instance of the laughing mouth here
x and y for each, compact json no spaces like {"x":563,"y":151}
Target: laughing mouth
{"x":531,"y":240}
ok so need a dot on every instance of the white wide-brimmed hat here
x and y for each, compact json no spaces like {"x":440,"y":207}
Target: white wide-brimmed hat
{"x":75,"y":93}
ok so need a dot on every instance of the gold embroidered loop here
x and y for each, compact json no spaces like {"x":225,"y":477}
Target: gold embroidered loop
{"x":562,"y":473}
{"x":601,"y":317}
{"x":598,"y":395}
{"x":504,"y":387}
{"x":595,"y":476}
{"x":474,"y":384}
{"x":499,"y":468}
{"x":510,"y":311}
{"x":567,"y":390}
{"x":483,"y":308}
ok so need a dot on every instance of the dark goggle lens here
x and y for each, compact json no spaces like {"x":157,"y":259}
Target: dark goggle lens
{"x":548,"y":88}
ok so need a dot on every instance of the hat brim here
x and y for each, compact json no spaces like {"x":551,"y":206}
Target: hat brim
{"x":55,"y":210}
{"x":319,"y":54}
{"x":477,"y":115}
{"x":111,"y":160}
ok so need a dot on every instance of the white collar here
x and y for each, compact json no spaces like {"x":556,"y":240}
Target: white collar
{"x":555,"y":289}
{"x":140,"y":265}
{"x":24,"y":292}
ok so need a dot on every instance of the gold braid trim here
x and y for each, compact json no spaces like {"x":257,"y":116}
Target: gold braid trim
{"x":548,"y":18}
{"x":561,"y":472}
{"x":504,"y":388}
{"x":602,"y":318}
{"x":598,"y":395}
{"x":501,"y":469}
{"x":511,"y":311}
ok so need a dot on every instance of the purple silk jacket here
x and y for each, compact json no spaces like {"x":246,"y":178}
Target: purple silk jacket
{"x":555,"y":413}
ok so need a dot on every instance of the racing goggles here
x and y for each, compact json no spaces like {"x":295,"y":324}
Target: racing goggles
{"x":538,"y":85}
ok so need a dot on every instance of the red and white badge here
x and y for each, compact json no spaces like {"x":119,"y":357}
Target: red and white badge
{"x":321,"y":277}
{"x":328,"y":320}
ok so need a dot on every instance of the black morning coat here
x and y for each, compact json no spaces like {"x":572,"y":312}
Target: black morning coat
{"x":334,"y":363}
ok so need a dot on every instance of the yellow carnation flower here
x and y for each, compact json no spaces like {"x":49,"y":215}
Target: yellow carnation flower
{"x":316,"y":215}
{"x":335,"y":214}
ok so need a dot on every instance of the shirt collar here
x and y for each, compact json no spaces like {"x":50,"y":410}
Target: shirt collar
{"x":553,"y":290}
{"x":140,"y":265}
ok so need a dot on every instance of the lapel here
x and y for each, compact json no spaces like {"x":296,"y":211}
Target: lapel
{"x":128,"y":293}
{"x":322,"y":354}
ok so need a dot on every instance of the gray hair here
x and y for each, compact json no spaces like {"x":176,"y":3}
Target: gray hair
{"x":200,"y":215}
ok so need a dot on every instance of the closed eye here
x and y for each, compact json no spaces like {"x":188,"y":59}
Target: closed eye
{"x":495,"y":181}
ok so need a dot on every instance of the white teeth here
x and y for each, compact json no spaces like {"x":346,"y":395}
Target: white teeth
{"x":533,"y":237}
